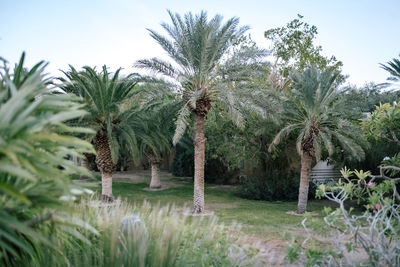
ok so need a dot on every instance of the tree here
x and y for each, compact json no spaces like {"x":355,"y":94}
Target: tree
{"x":384,"y":123}
{"x":315,"y":112}
{"x":293,"y":49}
{"x":111,"y":112}
{"x":156,"y":138}
{"x":206,"y":73}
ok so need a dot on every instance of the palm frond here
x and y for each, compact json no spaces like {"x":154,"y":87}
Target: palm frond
{"x":181,"y":123}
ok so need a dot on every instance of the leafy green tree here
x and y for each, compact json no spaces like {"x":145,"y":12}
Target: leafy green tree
{"x":293,"y":48}
{"x":35,"y":143}
{"x":206,"y":72}
{"x":366,"y":98}
{"x":384,"y":123}
{"x":112,"y":108}
{"x":315,"y":113}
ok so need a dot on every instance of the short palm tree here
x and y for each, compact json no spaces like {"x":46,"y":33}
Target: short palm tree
{"x":111,"y":113}
{"x":156,"y":138}
{"x":207,"y":73}
{"x":316,"y":114}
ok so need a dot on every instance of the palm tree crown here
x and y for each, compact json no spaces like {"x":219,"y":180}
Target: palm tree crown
{"x":200,"y":51}
{"x":316,"y":112}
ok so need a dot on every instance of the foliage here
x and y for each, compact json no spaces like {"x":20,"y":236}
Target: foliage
{"x":393,"y":67}
{"x":203,"y":68}
{"x":109,"y":105}
{"x":155,"y":140}
{"x":315,"y":111}
{"x":384,"y":123}
{"x":183,"y":163}
{"x":146,"y":235}
{"x":35,"y":145}
{"x":277,"y":185}
{"x":371,"y":238}
{"x":293,"y":49}
{"x":367,"y":97}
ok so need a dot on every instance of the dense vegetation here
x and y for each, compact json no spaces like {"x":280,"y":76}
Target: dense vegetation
{"x":227,"y":115}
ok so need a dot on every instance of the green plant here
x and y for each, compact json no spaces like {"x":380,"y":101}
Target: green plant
{"x":35,"y":172}
{"x":383,"y":123}
{"x":146,"y":235}
{"x":183,"y":163}
{"x":370,"y":238}
{"x":112,"y":106}
{"x":393,"y":67}
{"x":316,"y":114}
{"x":207,"y":72}
{"x":276,"y":185}
{"x":294,"y":49}
{"x":155,"y":141}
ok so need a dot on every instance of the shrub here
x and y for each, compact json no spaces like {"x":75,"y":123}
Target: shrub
{"x":35,"y":143}
{"x":145,"y":235}
{"x":369,"y":238}
{"x":277,"y":185}
{"x":183,"y":164}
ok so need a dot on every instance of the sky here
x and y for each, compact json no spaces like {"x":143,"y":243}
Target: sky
{"x":360,"y":33}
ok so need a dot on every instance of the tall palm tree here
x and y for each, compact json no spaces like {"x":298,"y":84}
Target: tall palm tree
{"x":315,"y":112}
{"x":206,"y":72}
{"x":111,"y":113}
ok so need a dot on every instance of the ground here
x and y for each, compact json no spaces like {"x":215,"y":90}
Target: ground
{"x":265,"y":225}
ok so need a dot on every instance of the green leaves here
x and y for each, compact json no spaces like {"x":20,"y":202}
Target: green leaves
{"x":205,"y":66}
{"x":35,"y":144}
{"x":315,"y":114}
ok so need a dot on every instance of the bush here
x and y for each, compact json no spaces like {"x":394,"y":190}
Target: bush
{"x":34,"y":167}
{"x":277,"y":185}
{"x":183,"y":164}
{"x":368,"y":238}
{"x":144,"y":235}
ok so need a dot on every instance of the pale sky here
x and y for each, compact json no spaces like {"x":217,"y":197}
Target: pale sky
{"x":361,"y":34}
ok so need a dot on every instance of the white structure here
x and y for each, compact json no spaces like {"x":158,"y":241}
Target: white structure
{"x":324,"y":173}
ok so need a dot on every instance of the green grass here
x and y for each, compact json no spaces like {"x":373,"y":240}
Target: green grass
{"x":258,"y":218}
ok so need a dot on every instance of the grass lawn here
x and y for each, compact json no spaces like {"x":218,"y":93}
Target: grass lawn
{"x":260,"y":219}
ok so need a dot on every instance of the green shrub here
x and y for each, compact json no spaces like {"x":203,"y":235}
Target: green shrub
{"x":183,"y":164}
{"x":145,"y":235}
{"x":368,"y":238}
{"x":277,"y":185}
{"x":35,"y":143}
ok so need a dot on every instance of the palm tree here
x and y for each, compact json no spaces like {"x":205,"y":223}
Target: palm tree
{"x":111,"y":113}
{"x":206,"y":72}
{"x":393,"y":67}
{"x":315,"y":112}
{"x":156,"y":140}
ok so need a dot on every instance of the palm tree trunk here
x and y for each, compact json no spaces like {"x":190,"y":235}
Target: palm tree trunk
{"x":85,"y":163}
{"x":105,"y":164}
{"x":306,"y":161}
{"x":199,"y":157}
{"x":155,"y":175}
